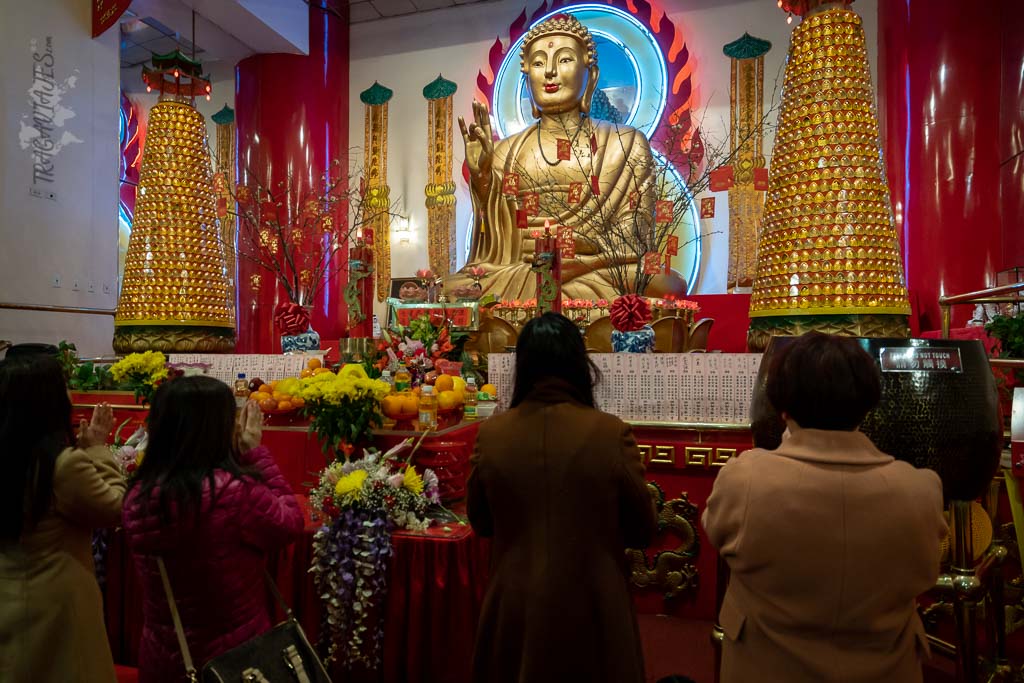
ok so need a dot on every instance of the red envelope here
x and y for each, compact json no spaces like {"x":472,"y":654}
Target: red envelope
{"x":634,"y":200}
{"x":722,"y":178}
{"x":575,"y":193}
{"x":672,"y":245}
{"x":595,"y":186}
{"x":761,"y":179}
{"x":565,"y":236}
{"x":707,"y":207}
{"x":663,"y":210}
{"x":368,"y":236}
{"x":652,"y":263}
{"x":568,"y":251}
{"x":522,"y":220}
{"x":531,"y":203}
{"x":564,"y":149}
{"x":510,"y":184}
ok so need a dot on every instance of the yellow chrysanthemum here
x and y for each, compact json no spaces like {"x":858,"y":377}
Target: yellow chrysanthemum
{"x":151,"y":364}
{"x":412,"y":480}
{"x":351,"y":483}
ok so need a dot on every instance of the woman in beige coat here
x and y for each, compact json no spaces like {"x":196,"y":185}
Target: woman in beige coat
{"x":52,"y":494}
{"x":828,"y":539}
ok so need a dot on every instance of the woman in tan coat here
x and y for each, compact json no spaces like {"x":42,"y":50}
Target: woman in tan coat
{"x":52,"y":494}
{"x":828,"y":539}
{"x":560,"y":487}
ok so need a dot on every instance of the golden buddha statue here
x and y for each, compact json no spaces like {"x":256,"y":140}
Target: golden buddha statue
{"x":567,"y":170}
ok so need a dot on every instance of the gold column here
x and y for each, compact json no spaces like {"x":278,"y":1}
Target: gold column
{"x":175,"y":291}
{"x":440,"y":189}
{"x":828,"y":256}
{"x":224,"y":185}
{"x":375,"y":187}
{"x":746,"y":200}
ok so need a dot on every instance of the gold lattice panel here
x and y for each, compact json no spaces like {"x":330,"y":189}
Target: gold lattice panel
{"x":856,"y":325}
{"x":828,"y":244}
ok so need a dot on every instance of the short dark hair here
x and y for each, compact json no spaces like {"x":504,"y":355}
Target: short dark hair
{"x":35,"y":427}
{"x":191,"y":434}
{"x":824,"y":381}
{"x":551,"y":346}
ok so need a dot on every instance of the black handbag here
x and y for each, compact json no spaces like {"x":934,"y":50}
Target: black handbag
{"x":281,"y":655}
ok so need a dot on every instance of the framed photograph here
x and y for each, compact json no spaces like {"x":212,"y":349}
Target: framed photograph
{"x":409,"y":290}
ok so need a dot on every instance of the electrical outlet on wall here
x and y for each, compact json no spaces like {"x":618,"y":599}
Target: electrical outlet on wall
{"x":75,"y":286}
{"x":91,"y":288}
{"x":106,"y":288}
{"x":55,"y":281}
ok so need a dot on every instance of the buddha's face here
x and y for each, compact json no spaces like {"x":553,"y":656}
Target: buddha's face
{"x":558,"y":72}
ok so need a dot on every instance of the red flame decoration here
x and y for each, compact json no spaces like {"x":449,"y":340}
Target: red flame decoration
{"x":689,"y":149}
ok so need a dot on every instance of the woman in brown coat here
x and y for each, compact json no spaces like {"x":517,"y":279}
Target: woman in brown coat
{"x":829,"y":540}
{"x":560,"y":487}
{"x":52,"y":494}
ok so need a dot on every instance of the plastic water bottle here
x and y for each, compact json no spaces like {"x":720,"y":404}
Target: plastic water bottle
{"x":385,"y":376}
{"x":403,"y":380}
{"x":241,"y":390}
{"x":469,"y":407}
{"x":428,"y":408}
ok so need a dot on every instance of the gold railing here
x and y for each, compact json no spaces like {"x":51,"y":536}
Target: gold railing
{"x":982,"y":296}
{"x":56,"y":309}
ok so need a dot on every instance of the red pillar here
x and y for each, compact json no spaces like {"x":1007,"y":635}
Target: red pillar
{"x":939,"y":80}
{"x":292,"y":113}
{"x":1011,"y":133}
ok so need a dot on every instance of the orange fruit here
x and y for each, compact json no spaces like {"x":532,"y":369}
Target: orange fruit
{"x":305,"y":373}
{"x":266,"y":389}
{"x":259,"y":396}
{"x":320,"y":371}
{"x":447,"y":400}
{"x":460,"y":396}
{"x":273,"y":384}
{"x":314,"y":363}
{"x":489,"y":389}
{"x":443,"y":383}
{"x":298,"y":401}
{"x":392,"y":405}
{"x":284,"y":405}
{"x":277,"y":395}
{"x":268,"y":404}
{"x":460,"y":384}
{"x":410,"y":403}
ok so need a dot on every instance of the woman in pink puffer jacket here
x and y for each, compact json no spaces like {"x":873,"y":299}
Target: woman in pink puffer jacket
{"x":211,"y":509}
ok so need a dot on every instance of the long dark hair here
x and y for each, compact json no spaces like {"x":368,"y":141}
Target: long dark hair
{"x":191,"y":434}
{"x":551,"y":346}
{"x":35,"y":426}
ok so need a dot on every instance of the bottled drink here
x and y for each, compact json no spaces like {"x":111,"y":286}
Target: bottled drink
{"x":385,"y":376}
{"x":469,"y":408}
{"x":241,"y":390}
{"x":428,"y":408}
{"x":403,"y":380}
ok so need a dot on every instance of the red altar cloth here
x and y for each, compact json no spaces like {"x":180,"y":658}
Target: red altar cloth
{"x":436,"y":585}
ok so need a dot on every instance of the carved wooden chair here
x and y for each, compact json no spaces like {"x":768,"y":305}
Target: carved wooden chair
{"x":493,"y":336}
{"x":598,"y":337}
{"x":670,"y":334}
{"x":698,"y":340}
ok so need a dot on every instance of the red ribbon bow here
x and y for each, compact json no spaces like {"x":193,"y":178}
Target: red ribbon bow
{"x":291,"y":318}
{"x":630,"y":313}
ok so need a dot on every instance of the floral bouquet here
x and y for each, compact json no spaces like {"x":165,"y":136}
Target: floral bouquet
{"x":673,"y":306}
{"x":343,"y":407}
{"x":421,"y":347}
{"x":142,"y":373}
{"x":128,"y":456}
{"x":362,"y":501}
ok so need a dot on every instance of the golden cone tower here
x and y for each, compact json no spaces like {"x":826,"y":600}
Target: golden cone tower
{"x":828,"y":257}
{"x":175,"y":292}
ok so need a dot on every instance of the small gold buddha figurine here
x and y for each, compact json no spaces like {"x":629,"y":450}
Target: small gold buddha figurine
{"x":592,"y":176}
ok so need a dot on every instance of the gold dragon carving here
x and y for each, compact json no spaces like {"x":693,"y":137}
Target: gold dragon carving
{"x":673,"y":572}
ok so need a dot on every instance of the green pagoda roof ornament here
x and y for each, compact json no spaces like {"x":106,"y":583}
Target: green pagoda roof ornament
{"x":376,"y":95}
{"x":746,"y":47}
{"x":224,"y":116}
{"x":439,"y":88}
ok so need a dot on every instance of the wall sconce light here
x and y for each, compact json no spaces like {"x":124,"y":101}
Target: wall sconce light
{"x":402,"y":231}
